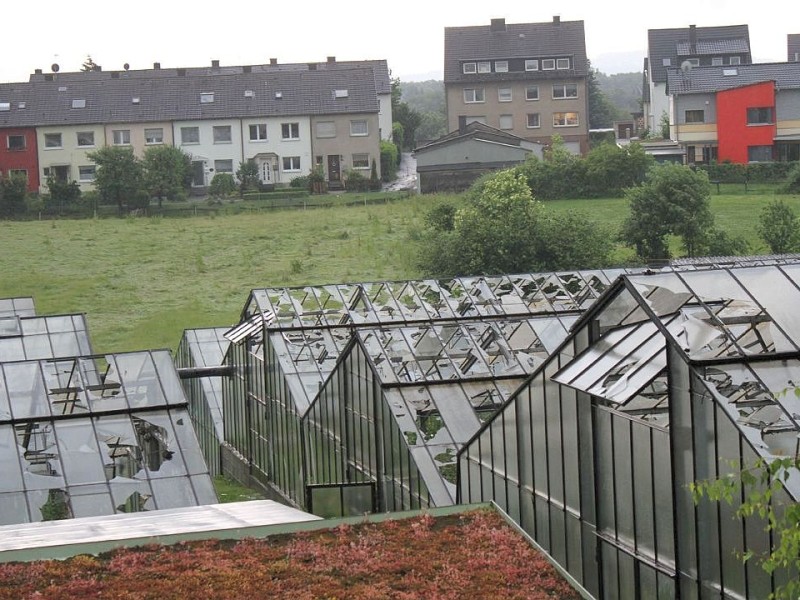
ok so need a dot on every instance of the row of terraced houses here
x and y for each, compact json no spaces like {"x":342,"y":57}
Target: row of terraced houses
{"x":285,"y":117}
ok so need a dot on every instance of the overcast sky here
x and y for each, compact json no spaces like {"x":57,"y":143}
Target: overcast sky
{"x":408,"y":34}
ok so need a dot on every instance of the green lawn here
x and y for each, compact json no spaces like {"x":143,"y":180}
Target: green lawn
{"x":142,"y":281}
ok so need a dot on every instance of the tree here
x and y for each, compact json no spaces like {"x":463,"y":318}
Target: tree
{"x":13,"y":189}
{"x":673,"y":200}
{"x":503,"y":229}
{"x":663,"y":125}
{"x":165,"y":169}
{"x":601,"y":112}
{"x":405,"y":115}
{"x":119,"y":177}
{"x":247,"y":174}
{"x":779,"y":227}
{"x":63,"y":194}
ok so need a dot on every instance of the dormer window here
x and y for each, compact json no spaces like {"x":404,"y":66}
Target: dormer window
{"x":79,"y":103}
{"x":549,"y":64}
{"x":501,"y":66}
{"x":735,"y":60}
{"x":484,"y":67}
{"x":531,"y":64}
{"x":206,"y":97}
{"x":5,"y":106}
{"x":695,"y":62}
{"x":470,"y":68}
{"x":562,"y":63}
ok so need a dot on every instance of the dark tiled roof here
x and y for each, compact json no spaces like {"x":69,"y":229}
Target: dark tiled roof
{"x":664,"y":43}
{"x":713,"y":79}
{"x":474,"y":130}
{"x":177,"y":98}
{"x":714,"y":47}
{"x":516,"y":40}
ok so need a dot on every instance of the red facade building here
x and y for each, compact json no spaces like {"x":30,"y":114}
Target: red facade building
{"x":18,"y":154}
{"x":746,"y":125}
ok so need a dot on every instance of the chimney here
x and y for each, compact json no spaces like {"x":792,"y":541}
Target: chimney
{"x":331,"y":59}
{"x":38,"y":72}
{"x":247,"y":69}
{"x":693,"y":39}
{"x":556,"y":20}
{"x":181,"y":72}
{"x":215,"y":64}
{"x":156,"y":66}
{"x":498,"y":25}
{"x":312,"y":66}
{"x":273,"y":61}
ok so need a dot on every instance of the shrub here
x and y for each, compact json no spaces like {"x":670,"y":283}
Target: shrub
{"x":355,"y":182}
{"x":222,"y":185}
{"x":13,"y":189}
{"x":792,"y":183}
{"x":389,"y":160}
{"x":779,"y":227}
{"x":301,"y":182}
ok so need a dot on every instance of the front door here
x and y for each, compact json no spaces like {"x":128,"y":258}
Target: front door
{"x":198,"y":174}
{"x":265,"y":172}
{"x":334,"y":173}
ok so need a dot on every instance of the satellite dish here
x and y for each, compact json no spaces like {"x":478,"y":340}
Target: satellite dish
{"x":126,"y":66}
{"x":686,"y":66}
{"x":54,"y":67}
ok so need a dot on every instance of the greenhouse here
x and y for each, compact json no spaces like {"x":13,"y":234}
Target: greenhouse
{"x":670,"y":378}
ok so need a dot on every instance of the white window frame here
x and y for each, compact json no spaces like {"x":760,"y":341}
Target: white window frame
{"x":560,"y":91}
{"x":531,"y":64}
{"x":206,"y":97}
{"x":153,"y":136}
{"x":5,"y":106}
{"x":359,"y":128}
{"x":86,"y":173}
{"x":695,"y":62}
{"x":666,"y":62}
{"x":51,"y":145}
{"x":121,"y":134}
{"x":528,"y":119}
{"x":735,"y":60}
{"x":717,"y":61}
{"x":194,"y":130}
{"x":290,"y":131}
{"x":528,"y":95}
{"x":293,"y":162}
{"x":79,"y":103}
{"x":219,"y":136}
{"x":484,"y":66}
{"x":506,"y":122}
{"x":562,"y":64}
{"x":501,"y":66}
{"x":469,"y":68}
{"x":504,"y":95}
{"x":548,"y":64}
{"x":566,"y":120}
{"x":260,"y":131}
{"x":224,"y":168}
{"x":21,"y":148}
{"x":325,"y":129}
{"x":78,"y":135}
{"x":474,"y":95}
{"x":363,"y":158}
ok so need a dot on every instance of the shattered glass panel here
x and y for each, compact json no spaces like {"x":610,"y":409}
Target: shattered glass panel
{"x":41,"y":466}
{"x":121,"y":454}
{"x":10,"y":454}
{"x":139,"y":379}
{"x":156,"y":439}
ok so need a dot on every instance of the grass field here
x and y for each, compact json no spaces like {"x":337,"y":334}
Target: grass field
{"x":142,"y":281}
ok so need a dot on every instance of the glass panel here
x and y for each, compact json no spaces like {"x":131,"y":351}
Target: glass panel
{"x":79,"y":452}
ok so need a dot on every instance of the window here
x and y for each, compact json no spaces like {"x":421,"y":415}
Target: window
{"x":501,"y":66}
{"x":760,"y":116}
{"x":223,"y":166}
{"x":695,"y":62}
{"x":52,"y":140}
{"x":504,"y":95}
{"x":121,"y":137}
{"x":532,"y":92}
{"x":326,"y":129}
{"x":190,"y":135}
{"x":154,"y":136}
{"x":221,"y":134}
{"x":506,"y":122}
{"x":531,"y":64}
{"x":470,"y":68}
{"x":16,"y":142}
{"x":79,"y":103}
{"x":484,"y":67}
{"x":533,"y":120}
{"x":566,"y":90}
{"x":695,"y":116}
{"x":19,"y":173}
{"x":666,"y":62}
{"x":258,"y":132}
{"x":472,"y":95}
{"x":86,"y":173}
{"x":340,"y":93}
{"x":735,"y":60}
{"x":549,"y":64}
{"x":716,"y":61}
{"x":759,"y":153}
{"x":361,"y":161}
{"x":291,"y":163}
{"x":85,"y":139}
{"x":565,"y":119}
{"x":4,"y":106}
{"x":206,"y":97}
{"x":290,"y":131}
{"x":358,"y":128}
{"x":562,"y":63}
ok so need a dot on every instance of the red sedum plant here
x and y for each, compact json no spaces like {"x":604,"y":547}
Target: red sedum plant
{"x":475,"y":555}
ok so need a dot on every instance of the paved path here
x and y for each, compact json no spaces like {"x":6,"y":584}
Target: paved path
{"x":406,"y":175}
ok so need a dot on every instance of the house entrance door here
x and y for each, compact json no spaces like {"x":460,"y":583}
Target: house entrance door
{"x":334,"y":168}
{"x":198,"y":174}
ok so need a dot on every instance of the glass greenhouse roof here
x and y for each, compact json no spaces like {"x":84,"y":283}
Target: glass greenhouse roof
{"x":19,"y":307}
{"x":207,"y":348}
{"x":96,"y":435}
{"x":34,"y":338}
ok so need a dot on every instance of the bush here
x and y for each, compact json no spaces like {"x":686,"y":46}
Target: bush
{"x":222,"y":185}
{"x":355,"y":182}
{"x":390,"y":157}
{"x":792,"y":183}
{"x":301,"y":182}
{"x":779,"y":227}
{"x":13,"y":189}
